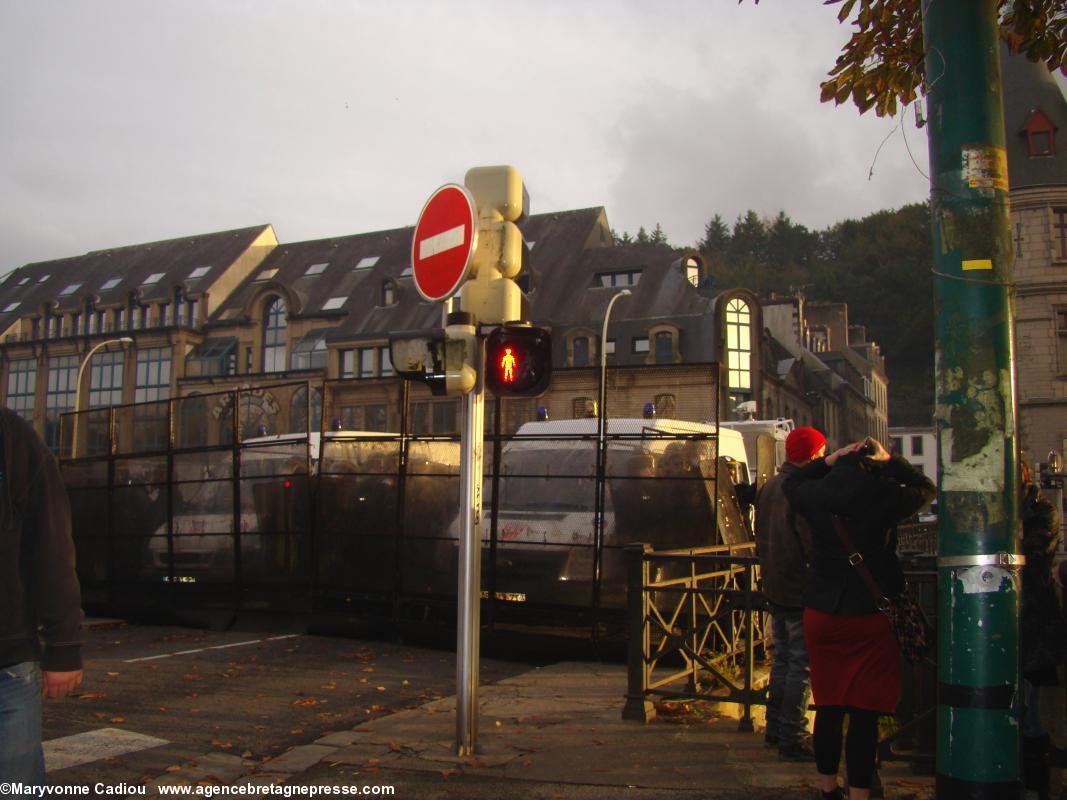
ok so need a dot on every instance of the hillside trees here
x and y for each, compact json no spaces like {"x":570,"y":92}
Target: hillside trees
{"x":880,"y":265}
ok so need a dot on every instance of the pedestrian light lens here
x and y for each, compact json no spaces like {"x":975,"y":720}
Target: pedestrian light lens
{"x":519,"y":361}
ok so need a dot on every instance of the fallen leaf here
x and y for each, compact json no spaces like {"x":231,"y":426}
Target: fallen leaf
{"x":172,"y":768}
{"x":380,"y":688}
{"x":499,"y":724}
{"x":447,"y":773}
{"x":112,"y":674}
{"x":367,"y":669}
{"x":599,"y":741}
{"x":396,"y":748}
{"x":116,"y":720}
{"x":163,"y":709}
{"x":92,"y":695}
{"x":246,"y":754}
{"x":296,"y":731}
{"x":99,"y":714}
{"x":220,"y":744}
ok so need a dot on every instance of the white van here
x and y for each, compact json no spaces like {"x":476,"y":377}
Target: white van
{"x":765,"y":444}
{"x":661,"y":489}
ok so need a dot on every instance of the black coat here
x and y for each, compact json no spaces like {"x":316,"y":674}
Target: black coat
{"x":871,"y":498}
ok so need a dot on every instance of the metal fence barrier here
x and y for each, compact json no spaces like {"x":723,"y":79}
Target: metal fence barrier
{"x":698,"y":625}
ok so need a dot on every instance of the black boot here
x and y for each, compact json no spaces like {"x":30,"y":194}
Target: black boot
{"x":1035,"y":765}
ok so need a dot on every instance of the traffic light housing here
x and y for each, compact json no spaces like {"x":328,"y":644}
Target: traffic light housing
{"x":492,"y":295}
{"x":518,"y":361}
{"x":443,"y":360}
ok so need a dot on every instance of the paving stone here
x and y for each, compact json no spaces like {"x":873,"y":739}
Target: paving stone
{"x":298,"y":759}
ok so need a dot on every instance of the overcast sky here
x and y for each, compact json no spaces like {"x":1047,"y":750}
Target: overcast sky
{"x":126,"y":121}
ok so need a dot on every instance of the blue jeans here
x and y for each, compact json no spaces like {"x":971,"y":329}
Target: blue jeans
{"x":790,"y":690}
{"x":21,"y":756}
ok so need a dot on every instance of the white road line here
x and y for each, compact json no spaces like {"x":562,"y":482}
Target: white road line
{"x":440,"y":242}
{"x":83,"y":748}
{"x":213,"y":647}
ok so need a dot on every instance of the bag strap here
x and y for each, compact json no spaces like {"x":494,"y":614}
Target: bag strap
{"x":855,"y":558}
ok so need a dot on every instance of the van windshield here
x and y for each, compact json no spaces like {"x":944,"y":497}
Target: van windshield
{"x":548,"y":479}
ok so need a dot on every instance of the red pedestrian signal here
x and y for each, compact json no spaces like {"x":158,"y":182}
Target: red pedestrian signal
{"x":518,"y":361}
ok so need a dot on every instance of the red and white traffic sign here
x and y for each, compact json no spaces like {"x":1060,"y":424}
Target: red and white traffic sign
{"x":443,"y":245}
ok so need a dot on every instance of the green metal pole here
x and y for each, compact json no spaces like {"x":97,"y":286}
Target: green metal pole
{"x":978,"y":580}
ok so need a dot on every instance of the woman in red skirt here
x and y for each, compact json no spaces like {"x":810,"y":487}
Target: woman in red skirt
{"x":855,"y":661}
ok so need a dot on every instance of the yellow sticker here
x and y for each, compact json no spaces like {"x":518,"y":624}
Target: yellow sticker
{"x":977,"y":263}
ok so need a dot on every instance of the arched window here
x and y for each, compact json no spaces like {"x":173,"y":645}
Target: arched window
{"x":664,"y":347}
{"x":580,"y":355}
{"x":739,"y":345}
{"x":274,"y":336}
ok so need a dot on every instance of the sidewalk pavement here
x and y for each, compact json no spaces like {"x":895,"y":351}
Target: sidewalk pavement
{"x":560,"y":724}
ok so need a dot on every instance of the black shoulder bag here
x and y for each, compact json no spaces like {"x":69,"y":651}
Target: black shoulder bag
{"x":904,"y":613}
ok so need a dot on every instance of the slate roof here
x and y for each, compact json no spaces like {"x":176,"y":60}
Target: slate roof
{"x":122,"y":270}
{"x":1028,"y":86}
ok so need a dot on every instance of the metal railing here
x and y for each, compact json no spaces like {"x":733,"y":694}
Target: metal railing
{"x":696,"y":625}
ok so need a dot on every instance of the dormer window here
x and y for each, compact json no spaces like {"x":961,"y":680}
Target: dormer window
{"x":199,"y":272}
{"x":154,"y":278}
{"x":367,"y":262}
{"x":316,"y":269}
{"x":24,"y":281}
{"x":388,"y":293}
{"x":110,"y":283}
{"x":70,"y":289}
{"x":1040,"y":135}
{"x":692,"y":272}
{"x":267,"y":274}
{"x":628,"y":277}
{"x":11,"y":307}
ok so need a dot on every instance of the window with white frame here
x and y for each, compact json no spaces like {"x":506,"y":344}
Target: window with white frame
{"x":105,"y":379}
{"x":738,"y":345}
{"x":153,"y":374}
{"x":22,"y":386}
{"x":275,"y":329}
{"x":59,"y":395}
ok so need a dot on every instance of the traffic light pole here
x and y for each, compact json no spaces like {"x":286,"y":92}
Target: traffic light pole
{"x":978,"y":581}
{"x":469,"y":590}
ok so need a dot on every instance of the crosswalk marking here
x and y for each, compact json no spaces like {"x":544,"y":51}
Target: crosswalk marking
{"x":213,"y":647}
{"x":82,"y":748}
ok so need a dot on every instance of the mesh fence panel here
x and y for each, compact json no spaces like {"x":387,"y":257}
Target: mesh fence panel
{"x":368,"y":512}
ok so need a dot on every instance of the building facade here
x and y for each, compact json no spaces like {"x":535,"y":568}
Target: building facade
{"x":1035,"y":113}
{"x":303,"y":330}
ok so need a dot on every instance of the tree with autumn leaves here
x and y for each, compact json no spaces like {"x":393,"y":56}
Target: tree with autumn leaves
{"x":882,"y":65}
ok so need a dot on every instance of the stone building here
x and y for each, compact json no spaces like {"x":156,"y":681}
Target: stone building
{"x":1034,"y":113}
{"x":303,"y":330}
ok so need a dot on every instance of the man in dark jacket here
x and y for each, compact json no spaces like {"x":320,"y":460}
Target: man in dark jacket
{"x":783,"y":543}
{"x":40,"y":601}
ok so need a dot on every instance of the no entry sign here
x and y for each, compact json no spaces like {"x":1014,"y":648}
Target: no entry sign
{"x":443,"y":244}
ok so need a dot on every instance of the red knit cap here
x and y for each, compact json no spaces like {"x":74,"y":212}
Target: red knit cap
{"x":803,"y":443}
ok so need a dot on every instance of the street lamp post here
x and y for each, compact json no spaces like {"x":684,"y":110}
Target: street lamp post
{"x":123,"y":340}
{"x":601,"y":453}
